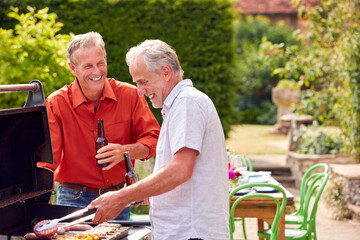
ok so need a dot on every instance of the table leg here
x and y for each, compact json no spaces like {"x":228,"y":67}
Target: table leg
{"x":282,"y":227}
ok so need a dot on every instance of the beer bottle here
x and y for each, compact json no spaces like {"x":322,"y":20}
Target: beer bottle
{"x":130,"y":175}
{"x":101,"y":141}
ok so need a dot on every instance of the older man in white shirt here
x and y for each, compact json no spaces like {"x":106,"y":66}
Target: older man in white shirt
{"x":189,"y":186}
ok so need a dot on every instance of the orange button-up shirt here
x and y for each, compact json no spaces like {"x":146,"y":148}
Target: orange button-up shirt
{"x":73,"y":127}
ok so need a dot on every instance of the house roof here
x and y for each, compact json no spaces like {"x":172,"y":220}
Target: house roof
{"x":269,"y":6}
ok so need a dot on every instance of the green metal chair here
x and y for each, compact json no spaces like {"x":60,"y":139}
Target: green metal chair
{"x":280,"y":207}
{"x":316,"y":185}
{"x":250,"y":168}
{"x":298,"y":216}
{"x":249,"y":163}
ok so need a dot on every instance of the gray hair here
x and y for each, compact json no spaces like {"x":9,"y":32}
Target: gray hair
{"x":157,"y":54}
{"x":89,"y":39}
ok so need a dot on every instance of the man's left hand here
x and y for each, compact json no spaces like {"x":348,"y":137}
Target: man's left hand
{"x":112,"y":154}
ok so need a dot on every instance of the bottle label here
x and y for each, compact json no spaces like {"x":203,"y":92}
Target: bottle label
{"x":101,"y":142}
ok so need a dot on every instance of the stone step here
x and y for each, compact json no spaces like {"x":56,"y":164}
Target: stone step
{"x":276,"y":164}
{"x":282,"y":174}
{"x":275,"y":170}
{"x":286,"y":181}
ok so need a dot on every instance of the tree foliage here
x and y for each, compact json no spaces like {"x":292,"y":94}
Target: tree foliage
{"x":260,"y":50}
{"x":33,"y":50}
{"x":328,"y":64}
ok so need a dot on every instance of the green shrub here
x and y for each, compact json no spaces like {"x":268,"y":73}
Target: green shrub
{"x":288,"y":84}
{"x":260,"y":50}
{"x":33,"y":50}
{"x":268,"y":115}
{"x":317,"y":103}
{"x":317,"y":141}
{"x":252,"y":29}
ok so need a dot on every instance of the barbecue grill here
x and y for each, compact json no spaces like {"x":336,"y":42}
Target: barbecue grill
{"x":25,"y":189}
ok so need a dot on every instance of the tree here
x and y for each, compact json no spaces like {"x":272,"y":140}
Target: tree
{"x":328,"y":64}
{"x":33,"y":50}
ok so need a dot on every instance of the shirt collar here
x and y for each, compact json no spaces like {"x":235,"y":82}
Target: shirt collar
{"x":173,"y":95}
{"x":79,"y":97}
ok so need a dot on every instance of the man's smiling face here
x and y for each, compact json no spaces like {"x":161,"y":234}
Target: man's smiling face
{"x":149,"y":83}
{"x":90,"y":70}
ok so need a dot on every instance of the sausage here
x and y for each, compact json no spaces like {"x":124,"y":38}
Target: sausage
{"x":45,"y":234}
{"x":80,"y":227}
{"x":77,"y":227}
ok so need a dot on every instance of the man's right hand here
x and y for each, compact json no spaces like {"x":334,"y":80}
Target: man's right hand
{"x":109,"y":206}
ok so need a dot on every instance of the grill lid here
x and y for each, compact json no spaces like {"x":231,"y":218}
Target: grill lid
{"x":24,"y":141}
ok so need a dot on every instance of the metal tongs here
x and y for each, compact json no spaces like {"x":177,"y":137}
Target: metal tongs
{"x":54,"y":222}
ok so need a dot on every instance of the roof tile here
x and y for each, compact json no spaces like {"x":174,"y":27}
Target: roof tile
{"x":269,"y":6}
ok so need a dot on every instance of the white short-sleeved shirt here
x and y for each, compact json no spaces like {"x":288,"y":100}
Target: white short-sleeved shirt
{"x":198,"y":208}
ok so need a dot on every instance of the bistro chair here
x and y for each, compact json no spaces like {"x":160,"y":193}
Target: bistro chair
{"x":316,"y":185}
{"x":298,"y":216}
{"x":242,"y":220}
{"x":249,"y":163}
{"x":280,"y":207}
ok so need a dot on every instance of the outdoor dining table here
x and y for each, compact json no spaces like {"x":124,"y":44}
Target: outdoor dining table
{"x":263,"y":209}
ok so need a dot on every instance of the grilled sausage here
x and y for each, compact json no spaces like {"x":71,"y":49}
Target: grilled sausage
{"x":45,"y":234}
{"x":77,"y":227}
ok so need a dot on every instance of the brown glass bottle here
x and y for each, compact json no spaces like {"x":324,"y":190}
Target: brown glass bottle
{"x":101,"y":141}
{"x":130,"y":175}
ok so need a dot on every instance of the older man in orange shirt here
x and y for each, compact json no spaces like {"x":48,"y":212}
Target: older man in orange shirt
{"x":73,"y":112}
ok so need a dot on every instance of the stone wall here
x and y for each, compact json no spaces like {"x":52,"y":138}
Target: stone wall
{"x":350,"y":175}
{"x":300,"y":163}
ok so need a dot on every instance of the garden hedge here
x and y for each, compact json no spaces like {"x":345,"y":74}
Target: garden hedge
{"x":201,"y":32}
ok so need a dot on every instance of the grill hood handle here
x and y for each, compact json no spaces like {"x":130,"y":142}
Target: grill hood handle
{"x":36,"y":95}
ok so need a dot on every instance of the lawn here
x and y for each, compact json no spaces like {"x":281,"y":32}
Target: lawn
{"x":256,"y":139}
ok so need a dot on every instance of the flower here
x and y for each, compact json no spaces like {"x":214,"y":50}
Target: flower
{"x":233,"y":171}
{"x":231,"y":174}
{"x":234,"y":175}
